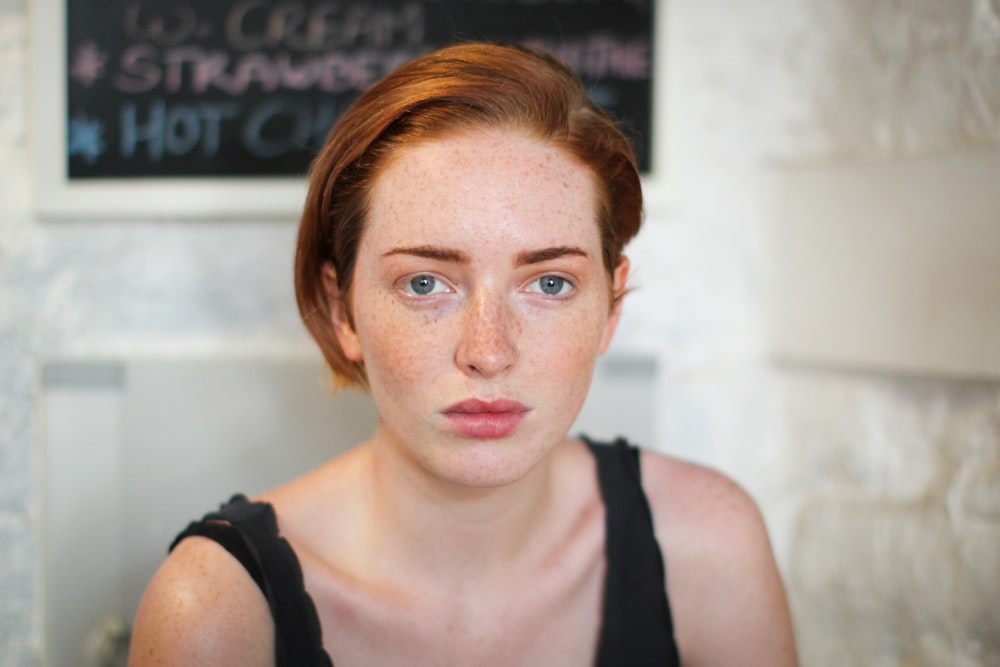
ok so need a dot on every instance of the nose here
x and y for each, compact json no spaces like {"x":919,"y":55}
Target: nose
{"x":487,"y":347}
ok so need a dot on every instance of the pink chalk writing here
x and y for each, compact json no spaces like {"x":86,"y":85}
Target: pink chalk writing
{"x":601,"y":55}
{"x":193,"y":69}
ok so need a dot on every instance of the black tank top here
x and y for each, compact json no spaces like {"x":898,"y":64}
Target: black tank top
{"x":636,"y":628}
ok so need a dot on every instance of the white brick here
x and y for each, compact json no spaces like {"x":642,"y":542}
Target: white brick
{"x":886,"y":486}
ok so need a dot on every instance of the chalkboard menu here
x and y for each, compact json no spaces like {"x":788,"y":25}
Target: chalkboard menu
{"x":163,"y":88}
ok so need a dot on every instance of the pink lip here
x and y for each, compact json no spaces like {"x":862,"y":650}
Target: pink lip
{"x":474,"y":418}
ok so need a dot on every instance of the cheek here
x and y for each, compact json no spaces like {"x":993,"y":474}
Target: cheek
{"x":399,"y":349}
{"x":563,"y":348}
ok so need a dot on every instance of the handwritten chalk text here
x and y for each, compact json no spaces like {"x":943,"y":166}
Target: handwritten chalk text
{"x":250,"y":25}
{"x":269,"y":129}
{"x":144,"y":68}
{"x":254,"y":24}
{"x":602,"y":55}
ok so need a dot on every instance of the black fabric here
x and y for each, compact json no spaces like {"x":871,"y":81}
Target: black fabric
{"x":249,"y":531}
{"x":637,"y":627}
{"x":636,"y":631}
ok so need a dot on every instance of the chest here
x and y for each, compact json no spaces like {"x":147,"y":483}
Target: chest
{"x":548,"y":620}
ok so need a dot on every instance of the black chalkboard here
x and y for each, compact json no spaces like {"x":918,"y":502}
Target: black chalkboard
{"x":251,"y":87}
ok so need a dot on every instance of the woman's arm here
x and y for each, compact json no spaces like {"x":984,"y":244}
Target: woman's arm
{"x":727,"y":598}
{"x":202,"y":608}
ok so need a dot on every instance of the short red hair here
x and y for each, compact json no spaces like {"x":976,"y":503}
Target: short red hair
{"x":459,"y":87}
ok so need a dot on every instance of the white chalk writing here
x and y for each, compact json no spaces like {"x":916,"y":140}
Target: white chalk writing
{"x":296,"y":26}
{"x":176,"y":25}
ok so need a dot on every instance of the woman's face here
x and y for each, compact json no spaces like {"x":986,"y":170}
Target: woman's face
{"x":480,"y":303}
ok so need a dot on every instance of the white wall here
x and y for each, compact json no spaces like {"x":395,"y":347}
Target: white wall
{"x":882,"y":491}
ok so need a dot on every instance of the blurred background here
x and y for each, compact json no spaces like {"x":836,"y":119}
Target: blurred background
{"x":816,"y":313}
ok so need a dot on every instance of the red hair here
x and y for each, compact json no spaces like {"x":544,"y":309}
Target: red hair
{"x":459,"y":87}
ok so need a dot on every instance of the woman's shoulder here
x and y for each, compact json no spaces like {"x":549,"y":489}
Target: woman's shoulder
{"x":202,"y":608}
{"x":722,"y":579}
{"x":703,"y":519}
{"x":694,"y":507}
{"x":687,"y":496}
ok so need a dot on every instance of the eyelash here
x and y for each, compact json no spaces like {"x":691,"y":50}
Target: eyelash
{"x":552,"y":276}
{"x":439,"y":286}
{"x":406,"y":285}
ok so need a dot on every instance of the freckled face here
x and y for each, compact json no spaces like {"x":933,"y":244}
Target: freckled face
{"x":480,"y":303}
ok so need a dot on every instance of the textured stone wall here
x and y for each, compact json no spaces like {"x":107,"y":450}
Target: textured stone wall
{"x":895,"y":557}
{"x":19,"y":516}
{"x":882,"y":492}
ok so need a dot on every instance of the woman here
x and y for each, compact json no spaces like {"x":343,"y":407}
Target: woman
{"x":460,"y":256}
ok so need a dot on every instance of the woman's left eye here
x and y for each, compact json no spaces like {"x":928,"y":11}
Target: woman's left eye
{"x":551,"y":285}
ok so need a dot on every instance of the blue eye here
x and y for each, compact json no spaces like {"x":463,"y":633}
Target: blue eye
{"x":422,"y":285}
{"x":553,"y":285}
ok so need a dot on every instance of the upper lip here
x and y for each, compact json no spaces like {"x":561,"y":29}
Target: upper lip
{"x":474,"y":406}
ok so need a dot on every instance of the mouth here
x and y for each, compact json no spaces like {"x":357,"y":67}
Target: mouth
{"x":486,"y":419}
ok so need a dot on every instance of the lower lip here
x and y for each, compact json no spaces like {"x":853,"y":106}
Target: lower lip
{"x":485,"y":425}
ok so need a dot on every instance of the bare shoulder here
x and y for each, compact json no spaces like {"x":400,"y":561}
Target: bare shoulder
{"x":202,"y":608}
{"x":727,"y":597}
{"x":697,"y":506}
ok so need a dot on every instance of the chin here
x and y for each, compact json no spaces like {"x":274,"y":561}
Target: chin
{"x":490,"y":463}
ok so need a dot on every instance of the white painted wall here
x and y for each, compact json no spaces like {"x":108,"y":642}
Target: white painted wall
{"x":882,"y":491}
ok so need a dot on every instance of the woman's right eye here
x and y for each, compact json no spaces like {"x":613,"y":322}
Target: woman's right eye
{"x":423,"y":285}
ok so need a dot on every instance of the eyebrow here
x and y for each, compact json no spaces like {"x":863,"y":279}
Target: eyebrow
{"x":546,"y":254}
{"x":431,"y":252}
{"x":525,"y":258}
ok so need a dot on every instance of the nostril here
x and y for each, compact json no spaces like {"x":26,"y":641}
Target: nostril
{"x":487,"y":347}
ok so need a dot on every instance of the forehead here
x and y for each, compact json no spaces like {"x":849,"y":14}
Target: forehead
{"x":486,"y":183}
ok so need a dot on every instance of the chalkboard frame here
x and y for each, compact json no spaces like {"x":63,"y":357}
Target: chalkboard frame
{"x":56,"y":196}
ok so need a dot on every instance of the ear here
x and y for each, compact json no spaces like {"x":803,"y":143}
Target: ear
{"x":619,"y":280}
{"x":343,"y":328}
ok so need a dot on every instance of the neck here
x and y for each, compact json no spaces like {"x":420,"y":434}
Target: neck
{"x":445,"y":530}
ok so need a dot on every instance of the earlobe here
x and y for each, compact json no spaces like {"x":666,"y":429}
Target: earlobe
{"x":340,"y":319}
{"x":618,"y":289}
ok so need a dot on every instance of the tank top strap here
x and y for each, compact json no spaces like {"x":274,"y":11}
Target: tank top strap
{"x":637,"y":629}
{"x":249,"y":531}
